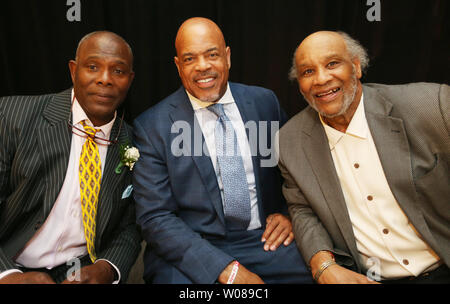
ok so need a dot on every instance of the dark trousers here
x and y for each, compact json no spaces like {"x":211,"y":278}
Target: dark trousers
{"x":282,"y":266}
{"x":59,"y":273}
{"x":440,"y":275}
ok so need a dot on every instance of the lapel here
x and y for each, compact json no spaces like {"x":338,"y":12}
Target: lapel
{"x":183,"y":112}
{"x":249,"y":113}
{"x":391,"y":140}
{"x":315,"y":145}
{"x":111,"y":179}
{"x":53,"y":143}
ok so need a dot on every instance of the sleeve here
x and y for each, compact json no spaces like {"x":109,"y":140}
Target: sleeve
{"x":6,"y":145}
{"x":123,"y":246}
{"x":157,"y":214}
{"x":444,"y":104}
{"x":310,"y":234}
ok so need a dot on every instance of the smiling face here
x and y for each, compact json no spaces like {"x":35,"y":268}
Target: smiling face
{"x":203,"y":60}
{"x":328,"y":77}
{"x":101,"y":76}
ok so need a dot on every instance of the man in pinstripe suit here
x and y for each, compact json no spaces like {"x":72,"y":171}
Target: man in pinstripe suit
{"x":41,"y":227}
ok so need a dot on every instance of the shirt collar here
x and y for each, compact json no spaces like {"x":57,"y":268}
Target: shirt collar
{"x":199,"y":104}
{"x":358,"y":126}
{"x":78,"y":115}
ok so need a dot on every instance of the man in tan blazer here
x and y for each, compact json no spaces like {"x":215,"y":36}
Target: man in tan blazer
{"x":366,"y":170}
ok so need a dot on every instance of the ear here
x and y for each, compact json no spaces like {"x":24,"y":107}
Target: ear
{"x":131,"y":78}
{"x":177,"y":63}
{"x":72,"y":68}
{"x":228,"y":52}
{"x":357,"y":65}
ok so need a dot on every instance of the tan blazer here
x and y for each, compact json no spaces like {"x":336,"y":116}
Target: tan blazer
{"x":410,"y":126}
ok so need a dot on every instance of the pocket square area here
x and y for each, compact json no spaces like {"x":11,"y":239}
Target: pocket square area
{"x":127,"y":191}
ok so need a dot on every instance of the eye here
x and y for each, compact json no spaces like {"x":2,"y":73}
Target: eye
{"x":332,"y":64}
{"x":119,"y":71}
{"x":92,"y":67}
{"x":187,"y":59}
{"x":307,"y":72}
{"x":213,"y":55}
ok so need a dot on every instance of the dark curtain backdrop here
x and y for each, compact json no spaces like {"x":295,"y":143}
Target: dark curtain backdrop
{"x":411,"y":42}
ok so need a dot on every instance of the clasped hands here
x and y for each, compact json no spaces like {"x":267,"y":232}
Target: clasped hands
{"x":99,"y":273}
{"x":278,"y":231}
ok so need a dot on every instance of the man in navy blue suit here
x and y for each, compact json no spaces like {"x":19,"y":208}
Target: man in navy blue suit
{"x":207,"y":189}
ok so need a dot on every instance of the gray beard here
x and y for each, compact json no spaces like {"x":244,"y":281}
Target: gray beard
{"x":212,"y":98}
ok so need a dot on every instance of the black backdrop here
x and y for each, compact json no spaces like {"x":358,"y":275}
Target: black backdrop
{"x":410,"y":43}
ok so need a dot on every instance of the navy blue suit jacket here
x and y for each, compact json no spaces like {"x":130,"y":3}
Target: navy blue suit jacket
{"x":178,"y":201}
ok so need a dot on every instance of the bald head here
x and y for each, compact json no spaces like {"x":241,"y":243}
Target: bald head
{"x":195,"y":27}
{"x":322,"y":36}
{"x":101,"y":75}
{"x":104,"y":37}
{"x":323,"y":39}
{"x":320,"y":40}
{"x":328,"y":72}
{"x":203,"y":59}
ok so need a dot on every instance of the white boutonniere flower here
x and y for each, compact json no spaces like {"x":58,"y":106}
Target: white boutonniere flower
{"x":128,"y":157}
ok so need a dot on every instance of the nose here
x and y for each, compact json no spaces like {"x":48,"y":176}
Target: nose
{"x":104,"y":78}
{"x":322,"y":77}
{"x":202,"y":64}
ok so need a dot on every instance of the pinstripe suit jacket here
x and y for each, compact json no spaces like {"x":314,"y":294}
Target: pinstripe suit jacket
{"x":34,"y":152}
{"x":410,"y":126}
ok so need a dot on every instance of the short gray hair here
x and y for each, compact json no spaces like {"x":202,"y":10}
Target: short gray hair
{"x":354,"y":47}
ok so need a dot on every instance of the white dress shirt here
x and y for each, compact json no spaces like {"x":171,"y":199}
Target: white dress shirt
{"x":61,"y":237}
{"x":381,"y":229}
{"x":207,"y":121}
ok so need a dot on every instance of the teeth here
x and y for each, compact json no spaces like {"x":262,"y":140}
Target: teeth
{"x":329,"y":92}
{"x":326,"y":93}
{"x":205,"y":80}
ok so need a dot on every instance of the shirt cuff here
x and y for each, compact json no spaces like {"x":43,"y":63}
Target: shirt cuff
{"x":114,"y":266}
{"x":8,"y":272}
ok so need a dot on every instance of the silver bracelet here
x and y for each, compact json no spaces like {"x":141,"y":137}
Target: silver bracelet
{"x":322,"y":268}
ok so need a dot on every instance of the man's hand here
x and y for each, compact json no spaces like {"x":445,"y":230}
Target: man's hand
{"x":336,"y":274}
{"x":32,"y":277}
{"x":278,"y":230}
{"x":100,"y":272}
{"x":243,"y":276}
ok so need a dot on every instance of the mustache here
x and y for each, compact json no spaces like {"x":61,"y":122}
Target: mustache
{"x":205,"y":75}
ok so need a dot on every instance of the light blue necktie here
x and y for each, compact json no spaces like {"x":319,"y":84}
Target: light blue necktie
{"x":232,"y":173}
